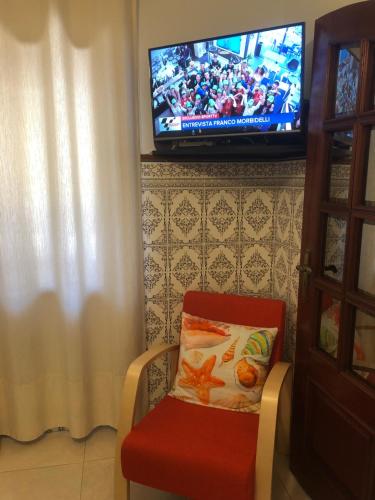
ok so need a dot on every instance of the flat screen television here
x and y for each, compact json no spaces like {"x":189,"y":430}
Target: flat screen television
{"x":242,"y":85}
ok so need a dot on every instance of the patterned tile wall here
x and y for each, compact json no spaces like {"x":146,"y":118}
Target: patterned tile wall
{"x":224,"y":227}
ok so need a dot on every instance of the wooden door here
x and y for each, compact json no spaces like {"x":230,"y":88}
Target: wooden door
{"x":333,"y":426}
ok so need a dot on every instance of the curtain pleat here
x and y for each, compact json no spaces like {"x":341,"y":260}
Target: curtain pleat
{"x":70,"y":238}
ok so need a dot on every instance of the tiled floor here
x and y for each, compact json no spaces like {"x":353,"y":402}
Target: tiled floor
{"x":56,"y":467}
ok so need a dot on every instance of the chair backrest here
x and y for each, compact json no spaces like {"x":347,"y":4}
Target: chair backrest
{"x":240,"y":310}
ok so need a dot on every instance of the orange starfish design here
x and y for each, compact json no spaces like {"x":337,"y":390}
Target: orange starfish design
{"x":200,"y":379}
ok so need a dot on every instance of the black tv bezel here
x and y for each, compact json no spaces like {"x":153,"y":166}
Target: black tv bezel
{"x":228,"y":133}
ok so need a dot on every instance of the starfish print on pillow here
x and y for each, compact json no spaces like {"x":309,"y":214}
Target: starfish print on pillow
{"x":200,"y":379}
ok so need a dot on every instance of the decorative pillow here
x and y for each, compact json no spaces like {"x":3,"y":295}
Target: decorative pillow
{"x":221,"y":364}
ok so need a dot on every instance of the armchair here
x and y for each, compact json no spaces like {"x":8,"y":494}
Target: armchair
{"x":205,"y":452}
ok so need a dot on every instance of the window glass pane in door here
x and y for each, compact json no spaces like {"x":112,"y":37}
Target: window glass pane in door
{"x":340,"y":160}
{"x":363,"y":360}
{"x":370,"y":180}
{"x":372,"y":88}
{"x":329,"y":324}
{"x":366,"y":277}
{"x":347,"y":80}
{"x":335,"y":248}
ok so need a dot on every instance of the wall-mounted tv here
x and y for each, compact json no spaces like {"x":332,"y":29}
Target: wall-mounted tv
{"x":249,"y":83}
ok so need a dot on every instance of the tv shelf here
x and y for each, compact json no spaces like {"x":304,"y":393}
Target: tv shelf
{"x":254,"y":148}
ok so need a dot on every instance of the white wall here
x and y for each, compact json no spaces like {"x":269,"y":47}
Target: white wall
{"x":172,"y":21}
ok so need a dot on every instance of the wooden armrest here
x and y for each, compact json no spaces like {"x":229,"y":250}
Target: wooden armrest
{"x":279,"y":380}
{"x":128,"y":406}
{"x":131,"y":384}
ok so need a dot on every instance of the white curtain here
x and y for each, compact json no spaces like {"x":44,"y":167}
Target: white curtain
{"x":70,"y":244}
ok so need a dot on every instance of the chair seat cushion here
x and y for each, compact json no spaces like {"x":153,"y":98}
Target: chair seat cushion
{"x":202,"y":452}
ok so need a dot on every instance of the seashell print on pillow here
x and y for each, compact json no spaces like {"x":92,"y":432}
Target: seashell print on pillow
{"x":222,"y":365}
{"x":198,"y":332}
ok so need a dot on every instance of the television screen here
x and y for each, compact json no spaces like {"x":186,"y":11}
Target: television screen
{"x":239,"y":84}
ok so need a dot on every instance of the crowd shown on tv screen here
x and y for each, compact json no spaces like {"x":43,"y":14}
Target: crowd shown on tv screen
{"x":229,"y":89}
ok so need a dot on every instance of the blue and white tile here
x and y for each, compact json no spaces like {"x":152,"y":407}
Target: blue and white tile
{"x":222,"y":209}
{"x":256,"y":267}
{"x":185,"y":215}
{"x":257,"y":214}
{"x":222,"y":268}
{"x":185,"y":269}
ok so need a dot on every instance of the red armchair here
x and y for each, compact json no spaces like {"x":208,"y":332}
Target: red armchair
{"x":176,"y":447}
